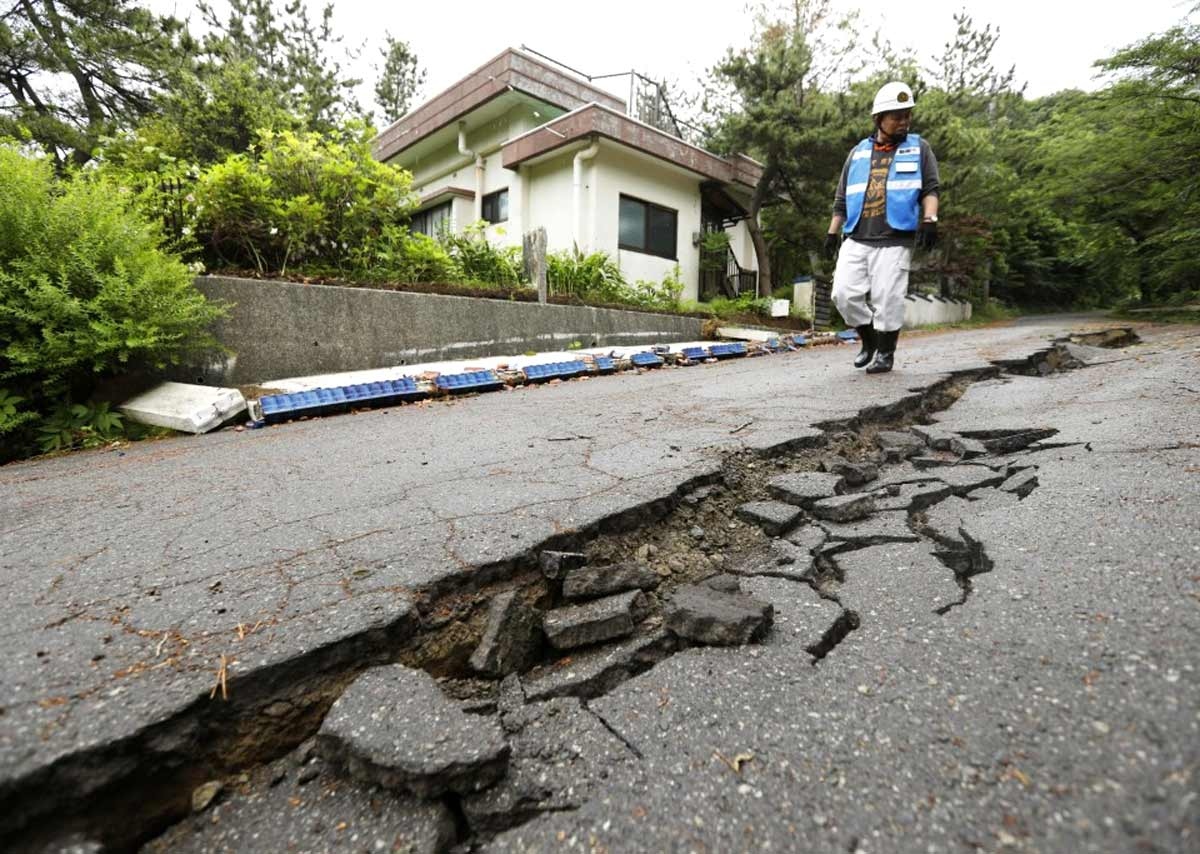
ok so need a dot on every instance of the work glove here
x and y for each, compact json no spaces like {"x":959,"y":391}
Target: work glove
{"x":927,"y":235}
{"x":832,"y":242}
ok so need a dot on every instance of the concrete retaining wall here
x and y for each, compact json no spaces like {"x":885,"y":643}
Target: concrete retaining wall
{"x":281,"y":329}
{"x":922,"y":310}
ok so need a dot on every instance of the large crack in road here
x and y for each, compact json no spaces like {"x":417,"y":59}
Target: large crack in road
{"x":245,"y":752}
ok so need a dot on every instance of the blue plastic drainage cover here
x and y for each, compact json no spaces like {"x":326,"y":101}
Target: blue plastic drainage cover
{"x":553,"y":370}
{"x":695,"y":354}
{"x":728,"y":351}
{"x":471,"y":381}
{"x":645,"y":360}
{"x":605,"y":364}
{"x":281,"y":407}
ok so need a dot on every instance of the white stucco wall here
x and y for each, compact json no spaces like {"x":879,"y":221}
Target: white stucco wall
{"x":542,"y":195}
{"x":619,"y":171}
{"x":549,"y":199}
{"x":446,"y":167}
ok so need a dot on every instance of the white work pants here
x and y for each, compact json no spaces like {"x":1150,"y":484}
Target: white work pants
{"x":877,"y":272}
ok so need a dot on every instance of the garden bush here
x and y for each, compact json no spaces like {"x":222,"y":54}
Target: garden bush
{"x":481,"y":262}
{"x":663,"y":294}
{"x":398,"y":255}
{"x":311,"y":201}
{"x":85,"y":293}
{"x":594,"y":276}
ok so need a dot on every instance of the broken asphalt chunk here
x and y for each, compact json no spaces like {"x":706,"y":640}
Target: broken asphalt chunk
{"x":808,"y":537}
{"x":394,"y":727}
{"x":594,"y":672}
{"x":916,"y":496}
{"x":801,"y":615}
{"x":589,"y":582}
{"x":964,"y":479}
{"x":1022,"y":483}
{"x":936,"y":438}
{"x":511,"y":638}
{"x":725,"y":582}
{"x":897,"y":445}
{"x":845,"y":508}
{"x":803,"y":488}
{"x":592,"y":622}
{"x":774,"y":517}
{"x":1017,"y":440}
{"x":890,"y":527}
{"x":561,"y":754}
{"x":932,"y":461}
{"x":703,"y":615}
{"x":555,"y":564}
{"x":854,"y":474}
{"x":968,"y":448}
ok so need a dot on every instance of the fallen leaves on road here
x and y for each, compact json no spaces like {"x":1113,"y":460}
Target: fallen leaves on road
{"x":1016,"y":774}
{"x":222,"y":676}
{"x":735,"y":764}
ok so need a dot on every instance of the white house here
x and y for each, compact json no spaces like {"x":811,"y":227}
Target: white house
{"x":520,"y":143}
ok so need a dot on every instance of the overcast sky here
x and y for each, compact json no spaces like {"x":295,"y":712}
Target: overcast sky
{"x":1053,"y":43}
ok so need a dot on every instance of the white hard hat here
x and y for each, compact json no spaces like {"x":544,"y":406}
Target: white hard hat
{"x":892,"y":96}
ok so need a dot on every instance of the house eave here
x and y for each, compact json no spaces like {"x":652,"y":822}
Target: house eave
{"x":441,"y":195}
{"x":599,"y":121}
{"x":511,"y":70}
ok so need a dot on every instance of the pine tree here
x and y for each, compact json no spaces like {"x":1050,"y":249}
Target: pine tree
{"x":399,"y":79}
{"x":72,"y":71}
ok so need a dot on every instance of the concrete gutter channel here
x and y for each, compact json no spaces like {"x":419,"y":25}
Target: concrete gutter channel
{"x":120,"y":795}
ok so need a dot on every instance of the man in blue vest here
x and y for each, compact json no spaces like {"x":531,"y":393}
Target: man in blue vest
{"x":886,"y":201}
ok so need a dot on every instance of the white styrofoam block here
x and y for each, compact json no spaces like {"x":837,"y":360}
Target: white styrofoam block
{"x":184,"y":407}
{"x":738,"y":333}
{"x":779,"y":307}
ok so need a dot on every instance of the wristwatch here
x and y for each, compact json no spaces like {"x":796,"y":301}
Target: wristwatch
{"x":930,"y":218}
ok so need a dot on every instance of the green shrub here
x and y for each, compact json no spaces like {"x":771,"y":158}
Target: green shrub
{"x":480,"y":261}
{"x":85,"y":291}
{"x":397,"y":255}
{"x":162,"y":185}
{"x":79,"y":426}
{"x":307,"y":201}
{"x":745,"y":304}
{"x":594,"y":277}
{"x":662,"y":294}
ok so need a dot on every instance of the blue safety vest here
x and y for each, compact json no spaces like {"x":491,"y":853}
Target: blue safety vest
{"x":903,"y":184}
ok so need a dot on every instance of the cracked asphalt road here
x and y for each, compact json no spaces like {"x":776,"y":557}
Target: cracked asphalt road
{"x":1057,"y":707}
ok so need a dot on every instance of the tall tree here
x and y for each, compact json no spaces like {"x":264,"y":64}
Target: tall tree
{"x":72,"y":71}
{"x":964,"y":112}
{"x":1148,"y":165}
{"x":399,"y":79}
{"x":775,"y":110}
{"x":295,"y":57}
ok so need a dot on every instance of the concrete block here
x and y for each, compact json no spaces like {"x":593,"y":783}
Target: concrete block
{"x":739,"y":333}
{"x":184,"y":407}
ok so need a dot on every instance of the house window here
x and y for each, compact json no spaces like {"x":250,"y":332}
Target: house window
{"x":495,"y":206}
{"x":431,"y":221}
{"x":646,"y":227}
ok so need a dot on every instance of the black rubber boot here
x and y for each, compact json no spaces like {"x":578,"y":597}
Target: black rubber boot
{"x":886,"y":354}
{"x":866,"y":334}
